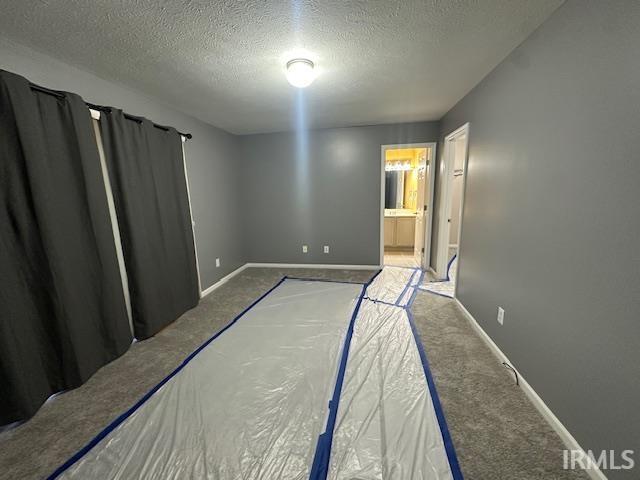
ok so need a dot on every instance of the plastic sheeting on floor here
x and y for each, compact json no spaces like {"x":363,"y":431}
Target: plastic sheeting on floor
{"x":389,"y":423}
{"x":249,"y":405}
{"x":445,"y":288}
{"x":315,"y":380}
{"x":387,"y":426}
{"x":393,"y":285}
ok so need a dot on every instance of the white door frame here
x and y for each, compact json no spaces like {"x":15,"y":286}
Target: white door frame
{"x":431,"y":163}
{"x":444,"y":209}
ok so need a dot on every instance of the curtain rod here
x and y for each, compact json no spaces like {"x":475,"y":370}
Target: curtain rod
{"x":102,"y":108}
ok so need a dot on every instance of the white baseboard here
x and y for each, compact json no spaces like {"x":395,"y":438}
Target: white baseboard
{"x":223,"y":280}
{"x":570,"y":442}
{"x":314,"y":265}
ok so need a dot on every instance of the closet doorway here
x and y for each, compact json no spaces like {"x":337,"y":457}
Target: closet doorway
{"x":452,"y":185}
{"x":406,"y":199}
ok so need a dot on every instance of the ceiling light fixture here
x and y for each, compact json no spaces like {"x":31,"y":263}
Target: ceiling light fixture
{"x":398,"y":166}
{"x":300,"y":72}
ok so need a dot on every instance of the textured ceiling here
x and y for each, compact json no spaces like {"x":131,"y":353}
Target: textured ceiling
{"x":223,"y":61}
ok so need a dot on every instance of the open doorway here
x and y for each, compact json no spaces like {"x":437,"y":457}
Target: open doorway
{"x":452,"y":184}
{"x":405,"y":206}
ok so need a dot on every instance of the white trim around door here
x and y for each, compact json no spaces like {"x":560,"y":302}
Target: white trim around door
{"x":431,"y":162}
{"x":444,"y":209}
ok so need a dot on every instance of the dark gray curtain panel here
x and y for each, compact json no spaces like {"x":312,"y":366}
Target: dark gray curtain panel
{"x":62,"y":308}
{"x":149,"y":188}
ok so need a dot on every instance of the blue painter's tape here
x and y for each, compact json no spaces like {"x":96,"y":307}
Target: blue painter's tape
{"x":320,"y":466}
{"x":382,"y":302}
{"x":442,"y":422}
{"x":449,"y":266}
{"x":115,"y":423}
{"x":406,"y":287}
{"x":438,"y":294}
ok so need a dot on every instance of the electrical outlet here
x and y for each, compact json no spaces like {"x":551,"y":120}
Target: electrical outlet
{"x":501,"y":315}
{"x":217,"y":262}
{"x":305,"y":249}
{"x":326,"y":249}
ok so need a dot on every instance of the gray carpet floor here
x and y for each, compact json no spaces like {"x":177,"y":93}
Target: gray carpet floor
{"x":497,"y":433}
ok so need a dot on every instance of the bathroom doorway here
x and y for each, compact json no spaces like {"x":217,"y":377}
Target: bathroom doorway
{"x":406,"y":200}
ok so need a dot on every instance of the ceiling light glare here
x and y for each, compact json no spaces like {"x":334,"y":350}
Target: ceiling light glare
{"x":300,"y":72}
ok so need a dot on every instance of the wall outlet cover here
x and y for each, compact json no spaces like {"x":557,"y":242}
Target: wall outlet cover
{"x":217,"y":262}
{"x":326,"y":249}
{"x":305,"y":248}
{"x":501,"y":315}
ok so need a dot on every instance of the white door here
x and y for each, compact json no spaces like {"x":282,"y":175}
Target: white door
{"x":454,"y":162}
{"x":421,"y":211}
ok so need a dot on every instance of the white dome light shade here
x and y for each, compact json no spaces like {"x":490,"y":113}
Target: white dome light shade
{"x":300,"y":72}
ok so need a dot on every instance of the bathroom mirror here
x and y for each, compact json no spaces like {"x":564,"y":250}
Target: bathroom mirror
{"x":400,"y":189}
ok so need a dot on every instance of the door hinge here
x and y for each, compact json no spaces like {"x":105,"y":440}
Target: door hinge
{"x":422,"y":249}
{"x":425,"y":208}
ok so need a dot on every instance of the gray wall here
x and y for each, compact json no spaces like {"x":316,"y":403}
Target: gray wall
{"x":318,"y":189}
{"x":551,"y":229}
{"x":212,"y":154}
